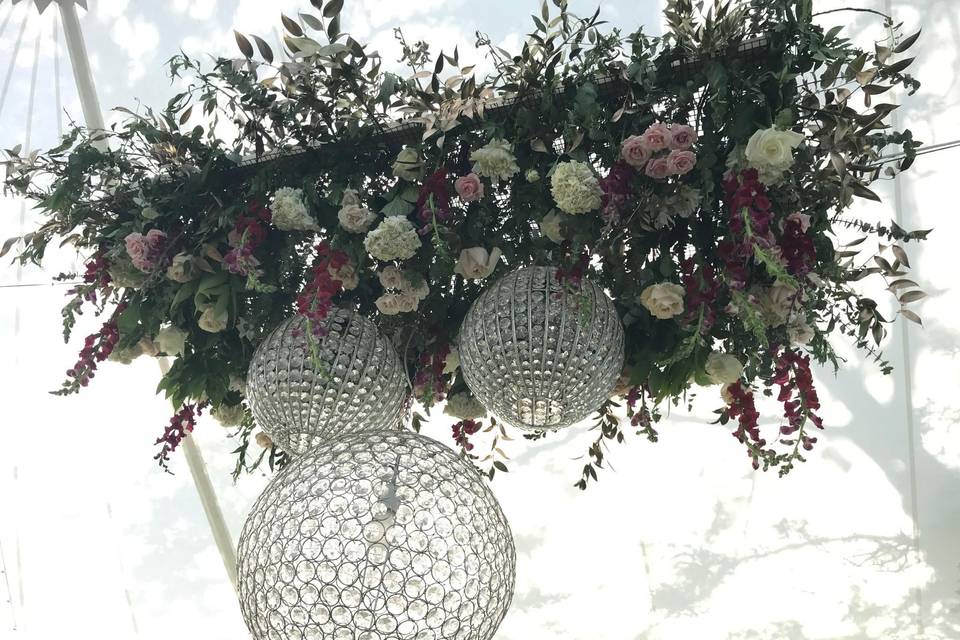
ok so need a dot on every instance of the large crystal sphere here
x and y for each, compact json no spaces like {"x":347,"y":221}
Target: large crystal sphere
{"x":540,"y":354}
{"x":376,"y":536}
{"x":303,"y":388}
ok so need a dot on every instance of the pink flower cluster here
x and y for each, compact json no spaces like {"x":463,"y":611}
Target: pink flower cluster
{"x":662,"y":150}
{"x":97,"y":347}
{"x":797,"y":393}
{"x":316,"y":298}
{"x":249,"y":232}
{"x":146,"y":251}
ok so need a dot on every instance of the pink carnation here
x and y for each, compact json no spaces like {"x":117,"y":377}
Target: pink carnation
{"x":634,"y":152}
{"x":681,"y":162}
{"x":658,"y":169}
{"x":683,"y":136}
{"x":657,"y":137}
{"x":469,"y":187}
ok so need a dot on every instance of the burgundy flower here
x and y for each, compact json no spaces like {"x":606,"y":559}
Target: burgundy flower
{"x":316,"y":298}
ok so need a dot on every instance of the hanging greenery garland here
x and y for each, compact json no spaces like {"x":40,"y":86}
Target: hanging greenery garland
{"x":702,"y":179}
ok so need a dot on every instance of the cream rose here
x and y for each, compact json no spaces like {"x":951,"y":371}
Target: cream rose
{"x":390,"y":304}
{"x":171,"y":340}
{"x":346,"y":274}
{"x":477,"y":263}
{"x":634,"y":152}
{"x":350,"y":197}
{"x":355,"y":219}
{"x":213,"y":322}
{"x":469,"y":187}
{"x":184,"y":268}
{"x":663,"y":300}
{"x":391,"y":277}
{"x":770,"y":151}
{"x":799,"y":332}
{"x":408,"y":165}
{"x":723,"y":368}
{"x":550,"y":227}
{"x":776,"y":302}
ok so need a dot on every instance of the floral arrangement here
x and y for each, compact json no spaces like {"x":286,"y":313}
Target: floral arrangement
{"x":702,"y":178}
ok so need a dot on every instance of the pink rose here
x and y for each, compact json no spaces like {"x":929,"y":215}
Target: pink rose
{"x":469,"y":187}
{"x":802,"y":218}
{"x":658,"y":169}
{"x":681,"y":162}
{"x":137,"y":250}
{"x":683,"y":136}
{"x":634,"y":152}
{"x":657,"y":137}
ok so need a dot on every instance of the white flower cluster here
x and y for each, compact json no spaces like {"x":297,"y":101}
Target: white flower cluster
{"x":229,"y":415}
{"x":495,"y":161}
{"x":404,"y":292}
{"x":723,"y":368}
{"x":574,"y":187}
{"x":395,"y":238}
{"x":289,"y":211}
{"x":770,"y":152}
{"x":465,"y":407}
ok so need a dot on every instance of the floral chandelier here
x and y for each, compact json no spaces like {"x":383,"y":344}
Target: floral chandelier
{"x":700,"y":182}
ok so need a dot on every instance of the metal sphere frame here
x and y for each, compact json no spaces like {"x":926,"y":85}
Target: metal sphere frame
{"x":540,"y":354}
{"x":376,"y":536}
{"x":303,"y":389}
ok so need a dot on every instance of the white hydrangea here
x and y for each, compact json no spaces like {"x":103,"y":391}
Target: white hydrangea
{"x":289,"y":211}
{"x":465,"y":407}
{"x":495,"y":161}
{"x":395,"y":238}
{"x":575,"y":188}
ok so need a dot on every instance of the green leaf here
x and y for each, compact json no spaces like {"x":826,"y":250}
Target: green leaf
{"x":907,"y":42}
{"x":265,"y":51}
{"x":312,"y":21}
{"x":129,"y":319}
{"x":291,"y":26}
{"x":245,"y":47}
{"x":397,"y":207}
{"x":333,"y":8}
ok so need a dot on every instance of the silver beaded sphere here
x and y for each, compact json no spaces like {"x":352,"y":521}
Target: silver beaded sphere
{"x":539,"y":355}
{"x":304,"y":389}
{"x":377,"y":536}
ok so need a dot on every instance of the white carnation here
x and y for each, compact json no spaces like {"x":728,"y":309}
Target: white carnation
{"x":495,"y":161}
{"x":575,"y":188}
{"x":395,"y":238}
{"x":289,"y":211}
{"x":465,"y":407}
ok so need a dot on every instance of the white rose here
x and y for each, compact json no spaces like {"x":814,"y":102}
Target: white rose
{"x":799,"y":332}
{"x":550,"y":226}
{"x":395,"y":238}
{"x":229,"y":416}
{"x":408,"y":303}
{"x":355,"y":219}
{"x":390,"y":304}
{"x":574,"y":188}
{"x":663,"y":300}
{"x":391,"y":277}
{"x":171,"y":340}
{"x":723,"y":368}
{"x":776,"y":302}
{"x":183,"y":268}
{"x":212,"y":321}
{"x":415,"y":287}
{"x":476,"y":263}
{"x":495,"y":161}
{"x":464,"y":406}
{"x":408,"y":165}
{"x":770,"y":151}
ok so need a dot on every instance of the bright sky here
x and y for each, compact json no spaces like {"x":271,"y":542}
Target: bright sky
{"x":681,"y":541}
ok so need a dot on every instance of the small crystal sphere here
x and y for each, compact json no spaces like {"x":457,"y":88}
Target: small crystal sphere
{"x":540,"y":354}
{"x":376,"y":536}
{"x":304,"y":389}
